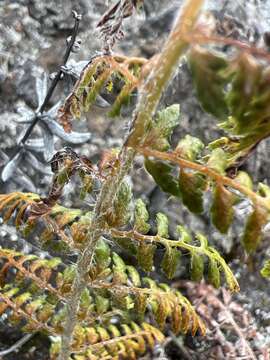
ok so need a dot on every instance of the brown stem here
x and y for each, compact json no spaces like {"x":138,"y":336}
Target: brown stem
{"x":198,"y":38}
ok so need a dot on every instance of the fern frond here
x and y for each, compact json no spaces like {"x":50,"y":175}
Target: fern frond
{"x":130,"y":292}
{"x":145,"y":247}
{"x":123,"y":75}
{"x":172,"y":256}
{"x":125,"y":341}
{"x":19,"y":205}
{"x":237,"y":95}
{"x":25,"y":310}
{"x":29,"y":292}
{"x":115,"y":291}
{"x":33,"y":312}
{"x":28,"y":208}
{"x":197,"y":176}
{"x":16,"y":203}
{"x":206,"y":169}
{"x":41,"y":271}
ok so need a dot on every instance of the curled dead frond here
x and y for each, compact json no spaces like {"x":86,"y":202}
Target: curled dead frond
{"x":65,"y":163}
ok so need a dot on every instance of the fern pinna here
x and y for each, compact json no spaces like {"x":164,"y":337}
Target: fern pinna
{"x":100,"y":306}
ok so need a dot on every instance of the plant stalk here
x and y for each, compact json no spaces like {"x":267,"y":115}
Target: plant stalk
{"x":149,"y":97}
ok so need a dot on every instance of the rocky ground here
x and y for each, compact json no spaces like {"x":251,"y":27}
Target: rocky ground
{"x":32,"y":41}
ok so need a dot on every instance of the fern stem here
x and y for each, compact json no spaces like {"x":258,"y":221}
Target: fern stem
{"x":163,"y":70}
{"x":147,"y":104}
{"x":200,"y":38}
{"x":174,"y":158}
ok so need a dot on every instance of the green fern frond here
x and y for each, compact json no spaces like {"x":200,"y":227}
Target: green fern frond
{"x":237,"y":94}
{"x":145,"y":246}
{"x":128,"y":291}
{"x":207,"y":173}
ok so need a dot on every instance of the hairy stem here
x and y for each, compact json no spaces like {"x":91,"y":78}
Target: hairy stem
{"x":163,"y":70}
{"x":148,"y":101}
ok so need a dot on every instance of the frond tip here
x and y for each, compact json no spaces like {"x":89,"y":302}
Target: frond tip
{"x":199,"y":250}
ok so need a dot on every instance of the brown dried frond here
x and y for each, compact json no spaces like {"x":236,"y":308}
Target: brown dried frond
{"x":115,"y":76}
{"x":64,"y":164}
{"x":111,"y":22}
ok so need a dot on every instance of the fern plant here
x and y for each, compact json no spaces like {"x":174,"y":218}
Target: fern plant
{"x":100,"y":306}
